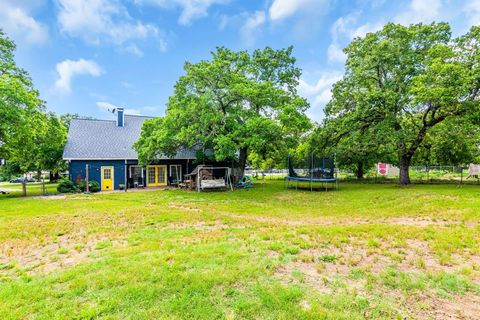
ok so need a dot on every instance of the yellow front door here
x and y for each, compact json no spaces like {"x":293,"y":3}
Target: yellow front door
{"x":156,"y":176}
{"x":107,"y":178}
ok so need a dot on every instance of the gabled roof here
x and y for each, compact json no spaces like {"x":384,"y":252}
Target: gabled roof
{"x":104,"y":140}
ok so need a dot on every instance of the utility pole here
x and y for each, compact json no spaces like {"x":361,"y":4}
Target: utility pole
{"x":86,"y":178}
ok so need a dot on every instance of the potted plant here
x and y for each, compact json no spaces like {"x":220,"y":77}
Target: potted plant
{"x":121,"y":186}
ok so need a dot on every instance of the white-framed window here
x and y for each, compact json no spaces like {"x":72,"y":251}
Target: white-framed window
{"x":176,"y":172}
{"x":107,"y":173}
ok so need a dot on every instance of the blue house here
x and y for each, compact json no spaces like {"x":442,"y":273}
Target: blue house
{"x":102,"y":151}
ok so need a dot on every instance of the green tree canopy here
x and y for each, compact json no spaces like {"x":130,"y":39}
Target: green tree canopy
{"x":19,"y":101}
{"x":234,"y":104}
{"x":403,"y":81}
{"x":51,"y":144}
{"x":30,"y":139}
{"x":66,"y":118}
{"x":356,"y":150}
{"x":454,"y":142}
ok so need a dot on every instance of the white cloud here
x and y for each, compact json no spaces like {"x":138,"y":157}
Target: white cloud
{"x":335,"y":54}
{"x":344,"y":30}
{"x":127,"y":85}
{"x":152,"y":108}
{"x":319,"y":93}
{"x":376,"y":3}
{"x":281,"y":9}
{"x":420,"y":11}
{"x":133,"y":49}
{"x":224,"y":20}
{"x":343,"y":26}
{"x":131,"y":111}
{"x":68,"y":69}
{"x":341,"y":33}
{"x":472,"y":10}
{"x":163,"y":45}
{"x":362,"y":30}
{"x":16,"y":20}
{"x":250,"y":27}
{"x":108,"y":107}
{"x":323,"y":83}
{"x":98,"y":21}
{"x":191,"y":9}
{"x":305,"y":17}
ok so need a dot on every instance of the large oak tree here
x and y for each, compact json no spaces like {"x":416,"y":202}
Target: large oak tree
{"x":30,"y":139}
{"x":403,"y":81}
{"x":234,"y":104}
{"x":21,"y":111}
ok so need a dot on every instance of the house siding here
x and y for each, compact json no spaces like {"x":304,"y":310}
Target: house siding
{"x":186,"y":165}
{"x":77,"y":171}
{"x":110,"y":142}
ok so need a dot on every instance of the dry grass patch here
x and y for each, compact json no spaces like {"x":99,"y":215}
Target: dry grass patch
{"x":360,"y":270}
{"x":366,"y":251}
{"x":65,"y":252}
{"x":458,"y":307}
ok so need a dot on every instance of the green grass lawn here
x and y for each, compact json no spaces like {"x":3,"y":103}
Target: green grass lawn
{"x":33,"y":189}
{"x":364,"y":251}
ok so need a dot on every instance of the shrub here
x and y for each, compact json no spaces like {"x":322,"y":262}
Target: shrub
{"x":93,"y":186}
{"x":67,"y":186}
{"x":328,"y":258}
{"x":292,"y":250}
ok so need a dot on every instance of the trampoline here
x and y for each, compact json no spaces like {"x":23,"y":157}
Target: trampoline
{"x":321,"y":170}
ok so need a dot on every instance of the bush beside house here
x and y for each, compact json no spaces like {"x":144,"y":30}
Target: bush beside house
{"x":67,"y":186}
{"x":93,"y":186}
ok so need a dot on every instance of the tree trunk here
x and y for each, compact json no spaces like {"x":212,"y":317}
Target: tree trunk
{"x":404,"y":164}
{"x":39,"y":175}
{"x":53,"y":177}
{"x":359,"y":172}
{"x":242,"y":160}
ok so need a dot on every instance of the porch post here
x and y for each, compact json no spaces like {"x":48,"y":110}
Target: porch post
{"x":126,"y":180}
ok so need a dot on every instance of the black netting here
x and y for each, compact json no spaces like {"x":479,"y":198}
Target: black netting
{"x":311,"y":168}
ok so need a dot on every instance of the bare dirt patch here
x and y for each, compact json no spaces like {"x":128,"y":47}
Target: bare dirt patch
{"x":300,"y":221}
{"x":308,"y":274}
{"x":421,"y":222}
{"x":185,"y":207}
{"x":334,"y":221}
{"x":66,"y":251}
{"x":333,"y":261}
{"x":334,"y":268}
{"x":204,"y":226}
{"x":459,"y":307}
{"x":55,"y":197}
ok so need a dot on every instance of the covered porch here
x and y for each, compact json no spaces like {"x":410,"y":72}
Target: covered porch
{"x":158,"y":174}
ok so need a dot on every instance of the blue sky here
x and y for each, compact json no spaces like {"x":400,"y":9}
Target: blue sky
{"x":86,"y":56}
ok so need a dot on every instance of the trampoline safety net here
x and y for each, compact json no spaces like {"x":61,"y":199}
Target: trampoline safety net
{"x":312,"y":168}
